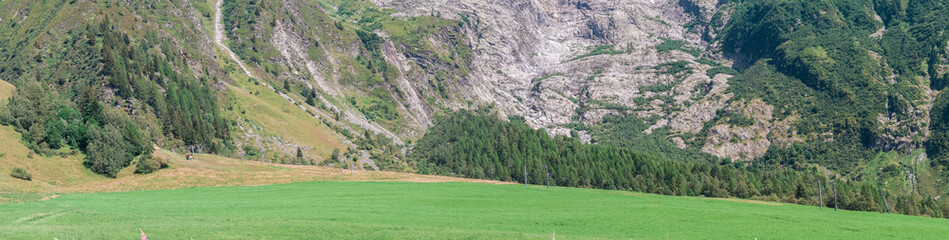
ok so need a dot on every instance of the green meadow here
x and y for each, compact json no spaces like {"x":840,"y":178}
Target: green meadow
{"x":454,"y":210}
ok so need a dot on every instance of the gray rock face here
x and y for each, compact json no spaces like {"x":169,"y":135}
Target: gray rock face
{"x":742,"y":142}
{"x":558,"y":62}
{"x":693,"y":118}
{"x":555,"y":62}
{"x":561,"y":62}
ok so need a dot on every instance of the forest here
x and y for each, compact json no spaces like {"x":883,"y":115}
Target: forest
{"x":476,"y":144}
{"x":100,"y":92}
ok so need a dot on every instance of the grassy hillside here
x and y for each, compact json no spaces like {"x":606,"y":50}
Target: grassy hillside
{"x":53,"y":176}
{"x":6,"y":90}
{"x":254,"y":105}
{"x":371,"y":210}
{"x":64,"y":172}
{"x":48,"y":172}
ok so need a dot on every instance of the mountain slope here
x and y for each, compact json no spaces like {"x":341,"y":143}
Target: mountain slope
{"x":851,"y":89}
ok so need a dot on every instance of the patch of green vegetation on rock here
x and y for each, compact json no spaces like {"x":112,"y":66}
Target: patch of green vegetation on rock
{"x":599,"y":50}
{"x":668,"y":45}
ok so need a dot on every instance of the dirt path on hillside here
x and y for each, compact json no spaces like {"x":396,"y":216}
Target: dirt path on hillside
{"x":219,"y":37}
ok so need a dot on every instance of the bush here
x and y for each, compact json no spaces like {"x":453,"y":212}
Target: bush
{"x":108,"y":152}
{"x":148,"y":165}
{"x":21,"y":174}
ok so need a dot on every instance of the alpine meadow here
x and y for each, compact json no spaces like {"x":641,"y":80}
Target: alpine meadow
{"x":474,"y":119}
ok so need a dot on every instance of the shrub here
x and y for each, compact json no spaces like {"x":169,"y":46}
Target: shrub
{"x":148,"y":165}
{"x":21,"y":174}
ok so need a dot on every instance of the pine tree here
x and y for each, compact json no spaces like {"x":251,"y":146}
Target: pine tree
{"x":310,"y":97}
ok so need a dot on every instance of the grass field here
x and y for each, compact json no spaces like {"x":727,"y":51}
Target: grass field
{"x":372,"y":210}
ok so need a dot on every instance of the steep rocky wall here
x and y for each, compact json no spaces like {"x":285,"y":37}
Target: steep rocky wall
{"x":562,"y":62}
{"x":555,"y":62}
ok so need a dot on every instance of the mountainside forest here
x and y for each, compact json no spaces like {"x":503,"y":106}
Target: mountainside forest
{"x":753,"y":99}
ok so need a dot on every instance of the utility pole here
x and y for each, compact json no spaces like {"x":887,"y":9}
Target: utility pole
{"x":835,"y":196}
{"x":525,"y":175}
{"x":885,"y":205}
{"x":548,"y":175}
{"x":820,"y":195}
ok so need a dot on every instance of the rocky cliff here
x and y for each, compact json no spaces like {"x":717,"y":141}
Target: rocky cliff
{"x":562,"y":62}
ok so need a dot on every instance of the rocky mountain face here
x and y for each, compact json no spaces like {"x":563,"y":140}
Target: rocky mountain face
{"x":556,"y":63}
{"x":852,"y":89}
{"x":379,"y":72}
{"x":559,"y":63}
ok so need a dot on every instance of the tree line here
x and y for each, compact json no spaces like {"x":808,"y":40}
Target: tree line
{"x":479,"y":145}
